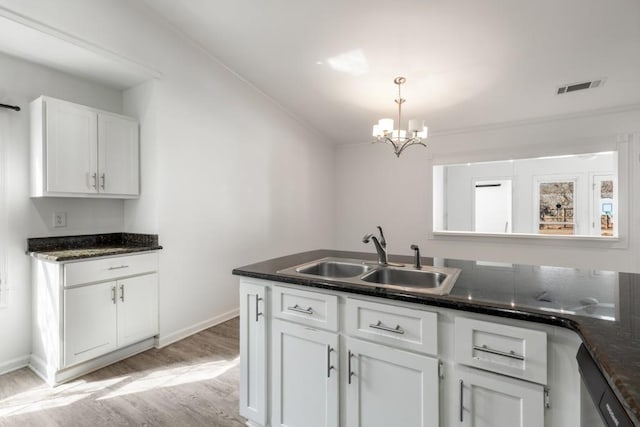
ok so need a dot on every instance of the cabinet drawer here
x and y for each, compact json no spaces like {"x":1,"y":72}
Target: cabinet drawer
{"x":99,"y":270}
{"x":396,"y":326}
{"x":508,"y":350}
{"x":309,"y":308}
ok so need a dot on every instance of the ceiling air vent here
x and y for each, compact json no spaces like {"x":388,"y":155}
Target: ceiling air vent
{"x":579,"y":86}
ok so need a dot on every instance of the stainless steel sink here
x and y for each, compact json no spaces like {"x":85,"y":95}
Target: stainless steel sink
{"x":402,"y":277}
{"x":334,"y":268}
{"x":406,"y":278}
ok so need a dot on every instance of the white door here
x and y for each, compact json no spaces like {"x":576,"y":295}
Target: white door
{"x":89,"y":322}
{"x":118,"y":155}
{"x":71,"y":148}
{"x":305,"y":376}
{"x":491,"y":400}
{"x":390,"y":387}
{"x":137,"y":308}
{"x":493,"y":206}
{"x":253,"y":357}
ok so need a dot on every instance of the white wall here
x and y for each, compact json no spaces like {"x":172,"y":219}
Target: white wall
{"x":228,"y":177}
{"x":20,"y":83}
{"x":373,"y":187}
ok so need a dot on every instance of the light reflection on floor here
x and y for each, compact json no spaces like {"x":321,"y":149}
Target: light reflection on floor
{"x":44,"y":397}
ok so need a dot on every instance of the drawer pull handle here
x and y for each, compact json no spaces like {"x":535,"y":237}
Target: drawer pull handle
{"x":351,"y":373}
{"x":258,"y":312}
{"x":122,"y":293}
{"x":113,"y":294}
{"x":119,"y":267}
{"x":511,"y":354}
{"x":299,"y":309}
{"x":329,"y":365}
{"x":461,"y":401}
{"x":379,"y":325}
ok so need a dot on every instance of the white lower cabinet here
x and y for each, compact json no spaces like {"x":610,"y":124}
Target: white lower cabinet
{"x":390,"y":387}
{"x":137,"y":306}
{"x":102,"y":317}
{"x":89,"y":322}
{"x":305,"y":376}
{"x":253,"y":352}
{"x":490,"y":400}
{"x":327,"y":359}
{"x":90,"y":313}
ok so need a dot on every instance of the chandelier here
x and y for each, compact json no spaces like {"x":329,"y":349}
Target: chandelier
{"x":399,"y":138}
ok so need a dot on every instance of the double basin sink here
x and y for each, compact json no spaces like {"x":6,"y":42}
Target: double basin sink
{"x":402,"y":277}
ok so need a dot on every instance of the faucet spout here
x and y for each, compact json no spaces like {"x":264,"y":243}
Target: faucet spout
{"x":381,"y":246}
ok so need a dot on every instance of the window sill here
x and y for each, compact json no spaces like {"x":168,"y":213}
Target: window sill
{"x":582,"y":240}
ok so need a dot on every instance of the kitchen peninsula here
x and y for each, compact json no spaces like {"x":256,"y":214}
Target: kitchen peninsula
{"x":601,"y":307}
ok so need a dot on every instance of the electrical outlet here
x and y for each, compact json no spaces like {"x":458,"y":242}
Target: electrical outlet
{"x":59,"y":219}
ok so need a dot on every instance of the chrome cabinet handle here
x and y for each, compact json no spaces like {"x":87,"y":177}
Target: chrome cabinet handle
{"x":94,"y":177}
{"x":511,"y":354}
{"x":299,"y":309}
{"x":329,"y":365}
{"x":104,"y":180}
{"x":258,"y":313}
{"x":122,"y":293}
{"x":118,"y":268}
{"x":379,"y":325}
{"x":461,"y":400}
{"x":351,"y":373}
{"x":113,"y":294}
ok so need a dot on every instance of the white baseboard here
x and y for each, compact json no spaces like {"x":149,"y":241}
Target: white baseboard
{"x":14,"y":364}
{"x":165,"y":340}
{"x":54,"y":377}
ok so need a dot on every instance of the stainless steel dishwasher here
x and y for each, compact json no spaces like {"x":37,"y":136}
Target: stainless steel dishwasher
{"x":597,"y":397}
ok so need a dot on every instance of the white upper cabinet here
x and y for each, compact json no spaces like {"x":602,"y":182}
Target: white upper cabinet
{"x":118,"y":155}
{"x":78,"y":151}
{"x":71,"y":152}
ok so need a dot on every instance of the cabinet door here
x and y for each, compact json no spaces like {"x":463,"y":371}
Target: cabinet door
{"x":89,"y":322}
{"x":118,"y":155}
{"x":490,"y":400}
{"x":253,"y":352}
{"x":137,"y":308}
{"x":305,"y":376}
{"x":390,"y":387}
{"x":71,"y":148}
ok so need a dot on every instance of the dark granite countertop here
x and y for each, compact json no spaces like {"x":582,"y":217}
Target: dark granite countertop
{"x":603,"y":307}
{"x":71,"y":248}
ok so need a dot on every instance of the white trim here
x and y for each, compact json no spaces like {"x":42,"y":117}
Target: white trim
{"x":4,"y":229}
{"x":14,"y":364}
{"x":166,"y":339}
{"x":473,"y":234}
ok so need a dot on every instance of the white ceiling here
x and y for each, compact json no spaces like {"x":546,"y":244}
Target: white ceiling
{"x":467,"y":63}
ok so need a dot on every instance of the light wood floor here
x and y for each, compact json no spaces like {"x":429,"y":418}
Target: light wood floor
{"x":193,"y":382}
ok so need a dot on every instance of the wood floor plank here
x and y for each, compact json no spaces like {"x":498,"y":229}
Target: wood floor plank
{"x":193,"y":382}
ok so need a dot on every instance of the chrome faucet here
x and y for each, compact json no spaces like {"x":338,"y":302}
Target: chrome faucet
{"x":381,"y":246}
